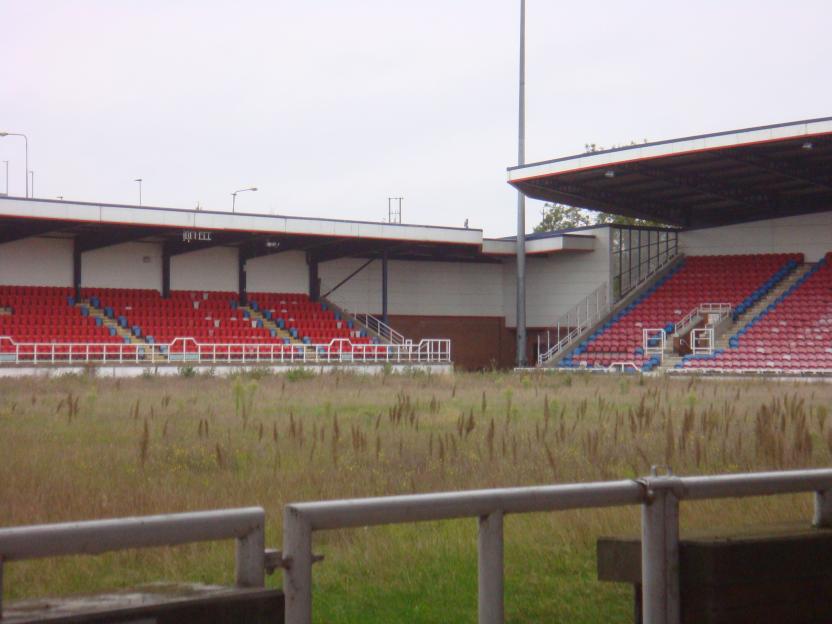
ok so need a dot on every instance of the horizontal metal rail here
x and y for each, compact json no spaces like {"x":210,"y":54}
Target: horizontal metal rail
{"x":185,"y":351}
{"x":580,"y":317}
{"x":246,"y":525}
{"x":703,"y":309}
{"x":659,"y":497}
{"x":381,"y":328}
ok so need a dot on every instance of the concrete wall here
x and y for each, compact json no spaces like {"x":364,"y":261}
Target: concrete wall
{"x":36,"y":262}
{"x":212,"y":269}
{"x":811,"y":234}
{"x":131,"y":265}
{"x":556,"y":283}
{"x":418,"y":288}
{"x":284,"y":272}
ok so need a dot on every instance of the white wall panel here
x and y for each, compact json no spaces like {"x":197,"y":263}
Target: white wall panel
{"x":283,"y":272}
{"x":810,"y":234}
{"x":36,"y":262}
{"x":556,"y":283}
{"x":130,"y":265}
{"x":418,"y":288}
{"x":208,"y":269}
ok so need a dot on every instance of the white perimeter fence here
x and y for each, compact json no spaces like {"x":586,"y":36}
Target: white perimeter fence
{"x":184,"y":351}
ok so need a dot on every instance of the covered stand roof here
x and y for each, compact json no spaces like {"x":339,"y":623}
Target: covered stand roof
{"x":94,"y":226}
{"x":702,"y":181}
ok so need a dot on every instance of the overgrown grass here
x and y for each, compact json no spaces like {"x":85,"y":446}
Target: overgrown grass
{"x":85,"y":447}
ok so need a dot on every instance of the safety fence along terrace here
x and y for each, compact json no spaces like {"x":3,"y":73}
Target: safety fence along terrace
{"x":189,"y":351}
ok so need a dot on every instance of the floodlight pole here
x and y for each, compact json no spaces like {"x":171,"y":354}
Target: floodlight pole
{"x":7,"y":177}
{"x":26,"y":169}
{"x":521,"y":199}
{"x":139,"y":180}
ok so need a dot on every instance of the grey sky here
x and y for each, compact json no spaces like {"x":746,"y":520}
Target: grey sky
{"x":331,"y":106}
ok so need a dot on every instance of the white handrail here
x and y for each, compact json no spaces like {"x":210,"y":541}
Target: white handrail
{"x":580,"y":317}
{"x":246,"y":525}
{"x":186,"y":350}
{"x":722,"y":309}
{"x":659,"y":497}
{"x":381,"y":328}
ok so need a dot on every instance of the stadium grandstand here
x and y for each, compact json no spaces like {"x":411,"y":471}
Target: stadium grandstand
{"x":736,"y":279}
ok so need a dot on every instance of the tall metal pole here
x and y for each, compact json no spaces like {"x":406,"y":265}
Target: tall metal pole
{"x":32,"y":186}
{"x":139,"y":180}
{"x":521,"y":200}
{"x":7,"y":177}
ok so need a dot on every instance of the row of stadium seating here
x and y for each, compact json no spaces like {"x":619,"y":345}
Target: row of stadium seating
{"x":793,"y":333}
{"x":50,"y":315}
{"x":41,"y":314}
{"x":738,"y":280}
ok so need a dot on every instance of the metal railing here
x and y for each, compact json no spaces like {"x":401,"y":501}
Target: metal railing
{"x":659,"y":497}
{"x":654,"y":342}
{"x":627,"y":286}
{"x":379,"y":327}
{"x":705,"y":310}
{"x":580,"y":317}
{"x":246,"y":525}
{"x":188,"y":351}
{"x":702,"y":341}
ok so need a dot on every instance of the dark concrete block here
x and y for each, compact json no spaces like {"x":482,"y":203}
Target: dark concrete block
{"x":777,"y":574}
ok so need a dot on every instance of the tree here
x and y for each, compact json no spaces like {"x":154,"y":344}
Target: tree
{"x":561,"y":217}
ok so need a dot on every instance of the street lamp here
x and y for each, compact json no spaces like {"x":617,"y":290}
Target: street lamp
{"x":139,"y":180}
{"x":26,"y":139}
{"x":7,"y":177}
{"x":32,"y":186}
{"x":234,"y":197}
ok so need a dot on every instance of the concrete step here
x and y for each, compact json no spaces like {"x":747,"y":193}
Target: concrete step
{"x":762,"y":304}
{"x":108,"y":322}
{"x":281,"y":333}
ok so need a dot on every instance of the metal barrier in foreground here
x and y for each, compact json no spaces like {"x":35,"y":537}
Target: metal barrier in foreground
{"x":659,"y":497}
{"x":246,"y":525}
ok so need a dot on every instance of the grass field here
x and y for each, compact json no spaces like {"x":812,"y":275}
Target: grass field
{"x":80,"y":447}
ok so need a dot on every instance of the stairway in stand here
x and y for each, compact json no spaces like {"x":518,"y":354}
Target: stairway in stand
{"x":121,"y":332}
{"x":762,"y":304}
{"x":256,"y":315}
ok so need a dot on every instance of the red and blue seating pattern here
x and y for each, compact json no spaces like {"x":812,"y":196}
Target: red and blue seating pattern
{"x":48,"y":315}
{"x":793,"y":333}
{"x":305,"y":319}
{"x":740,"y":280}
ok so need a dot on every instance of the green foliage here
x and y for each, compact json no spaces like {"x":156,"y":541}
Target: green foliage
{"x":562,"y":217}
{"x":299,"y":374}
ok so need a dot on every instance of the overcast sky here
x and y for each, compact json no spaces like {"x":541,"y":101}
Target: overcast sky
{"x":329,"y":107}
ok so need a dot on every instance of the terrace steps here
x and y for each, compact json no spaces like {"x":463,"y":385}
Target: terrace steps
{"x":783,"y":286}
{"x":110,"y":323}
{"x":268,"y":324}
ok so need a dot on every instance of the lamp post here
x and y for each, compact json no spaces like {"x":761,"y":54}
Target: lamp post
{"x":7,"y":177}
{"x":32,"y":186}
{"x":234,"y":197}
{"x":139,"y":180}
{"x":26,"y":139}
